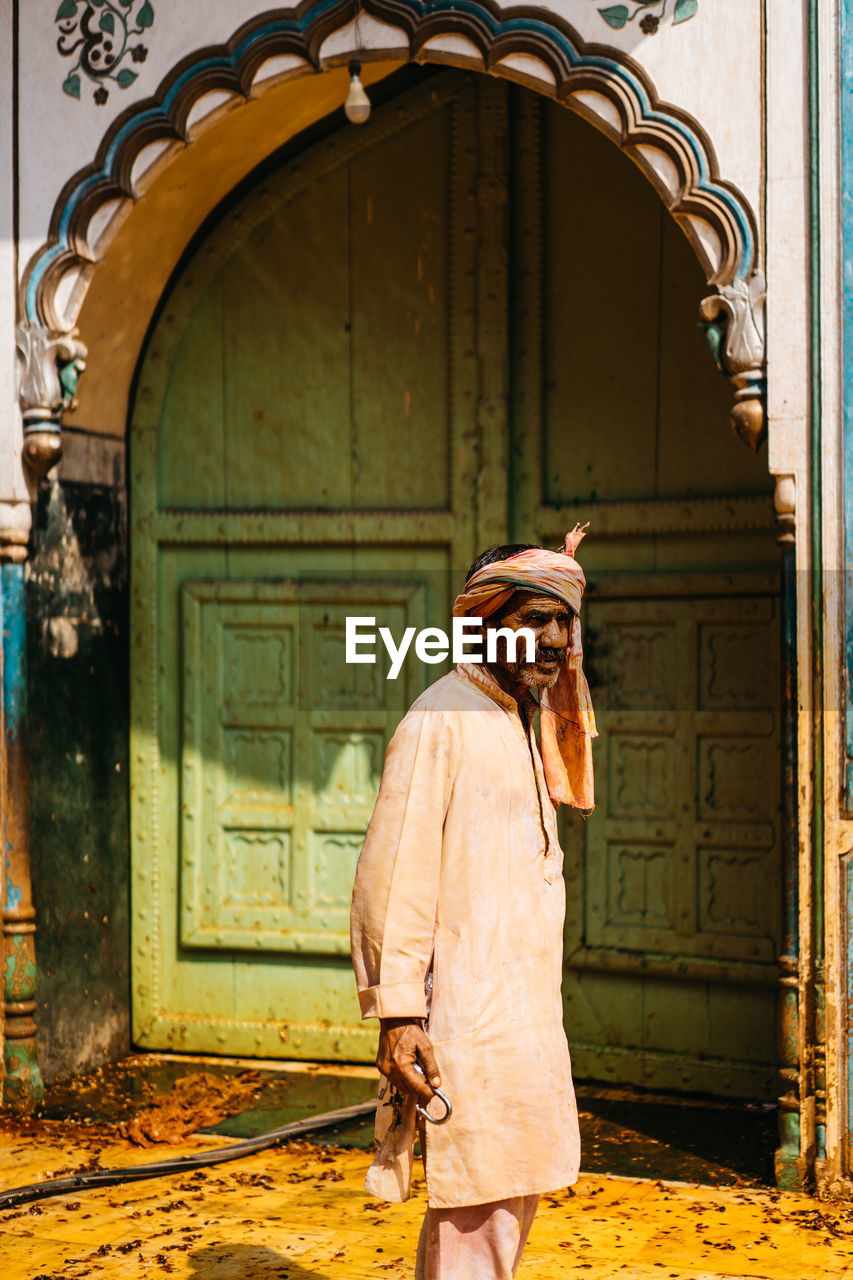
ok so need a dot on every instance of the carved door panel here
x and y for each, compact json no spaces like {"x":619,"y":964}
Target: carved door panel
{"x":306,"y":446}
{"x":673,"y":925}
{"x":282,"y":749}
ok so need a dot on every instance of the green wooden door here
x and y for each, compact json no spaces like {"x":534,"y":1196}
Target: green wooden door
{"x":305,"y":448}
{"x":471,"y":320}
{"x":673,"y":917}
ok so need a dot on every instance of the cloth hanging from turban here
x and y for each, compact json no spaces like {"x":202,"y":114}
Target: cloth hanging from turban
{"x":567,"y":720}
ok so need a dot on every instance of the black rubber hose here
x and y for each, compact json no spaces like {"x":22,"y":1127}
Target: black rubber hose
{"x":180,"y":1164}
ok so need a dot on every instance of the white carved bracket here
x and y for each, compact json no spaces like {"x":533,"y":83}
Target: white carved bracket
{"x":49,"y":366}
{"x":733,"y":318}
{"x":15,"y":525}
{"x":785,"y":503}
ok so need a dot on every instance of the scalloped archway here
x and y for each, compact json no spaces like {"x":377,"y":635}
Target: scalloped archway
{"x":606,"y":87}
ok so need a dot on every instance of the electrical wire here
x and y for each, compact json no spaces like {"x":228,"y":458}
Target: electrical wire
{"x":182,"y":1164}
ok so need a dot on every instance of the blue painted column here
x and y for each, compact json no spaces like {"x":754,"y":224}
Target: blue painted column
{"x":23,"y":1083}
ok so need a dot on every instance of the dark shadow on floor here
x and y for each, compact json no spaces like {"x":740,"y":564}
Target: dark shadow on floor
{"x":623,"y":1131}
{"x":246,"y":1262}
{"x":681,"y":1139}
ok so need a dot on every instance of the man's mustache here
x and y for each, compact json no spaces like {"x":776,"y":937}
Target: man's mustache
{"x":544,"y":653}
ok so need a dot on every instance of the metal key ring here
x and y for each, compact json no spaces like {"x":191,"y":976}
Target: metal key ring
{"x":442,"y":1097}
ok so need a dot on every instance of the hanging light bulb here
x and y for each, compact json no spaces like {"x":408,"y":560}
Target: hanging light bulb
{"x":357,"y":105}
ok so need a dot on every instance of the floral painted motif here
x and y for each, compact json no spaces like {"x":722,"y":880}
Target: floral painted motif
{"x":102,"y":35}
{"x":650,"y":13}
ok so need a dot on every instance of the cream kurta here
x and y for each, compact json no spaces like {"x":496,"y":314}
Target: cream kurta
{"x":453,"y":876}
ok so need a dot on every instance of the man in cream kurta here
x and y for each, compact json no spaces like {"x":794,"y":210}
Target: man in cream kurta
{"x":457,"y":927}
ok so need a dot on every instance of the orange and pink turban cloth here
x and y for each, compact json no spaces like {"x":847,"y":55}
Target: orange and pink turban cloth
{"x":567,"y":720}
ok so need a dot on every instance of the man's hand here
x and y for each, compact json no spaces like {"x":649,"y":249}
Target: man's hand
{"x":402,"y":1042}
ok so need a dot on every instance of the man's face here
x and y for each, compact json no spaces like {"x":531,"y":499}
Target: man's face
{"x":550,"y":621}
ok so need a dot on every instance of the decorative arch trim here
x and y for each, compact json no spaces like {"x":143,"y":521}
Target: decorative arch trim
{"x":607,"y":87}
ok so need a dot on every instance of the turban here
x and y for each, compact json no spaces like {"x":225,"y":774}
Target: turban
{"x":567,"y":721}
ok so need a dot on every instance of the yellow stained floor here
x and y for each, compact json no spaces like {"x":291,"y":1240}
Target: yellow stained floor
{"x":300,"y":1212}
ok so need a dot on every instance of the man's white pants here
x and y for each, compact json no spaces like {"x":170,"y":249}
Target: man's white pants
{"x":475,"y":1242}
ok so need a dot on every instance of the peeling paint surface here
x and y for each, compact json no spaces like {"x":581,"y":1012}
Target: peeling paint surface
{"x":14,"y":649}
{"x":20,"y":973}
{"x":23,"y":1077}
{"x":77,"y":602}
{"x":13,"y":893}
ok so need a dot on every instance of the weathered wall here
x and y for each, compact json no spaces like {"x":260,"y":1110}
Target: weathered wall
{"x":77,"y":610}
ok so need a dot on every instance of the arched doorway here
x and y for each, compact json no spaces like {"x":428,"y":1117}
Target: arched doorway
{"x":472,"y":321}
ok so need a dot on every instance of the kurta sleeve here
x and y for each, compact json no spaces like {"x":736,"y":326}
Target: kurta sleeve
{"x":396,"y":883}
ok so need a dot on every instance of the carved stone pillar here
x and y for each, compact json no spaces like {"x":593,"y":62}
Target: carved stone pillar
{"x":733,"y":319}
{"x":49,"y":365}
{"x":23,"y":1082}
{"x":788,"y":1161}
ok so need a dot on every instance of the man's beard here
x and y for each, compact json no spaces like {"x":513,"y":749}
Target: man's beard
{"x":534,"y":676}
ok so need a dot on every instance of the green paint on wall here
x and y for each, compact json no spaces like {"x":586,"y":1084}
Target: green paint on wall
{"x":20,"y":976}
{"x":23,"y":1081}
